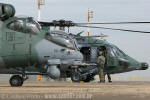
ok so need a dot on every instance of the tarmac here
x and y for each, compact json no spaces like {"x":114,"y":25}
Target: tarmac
{"x":76,"y":91}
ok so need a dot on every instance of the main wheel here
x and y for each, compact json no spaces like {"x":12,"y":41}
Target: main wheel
{"x":16,"y":80}
{"x":75,"y":77}
{"x":88,"y":78}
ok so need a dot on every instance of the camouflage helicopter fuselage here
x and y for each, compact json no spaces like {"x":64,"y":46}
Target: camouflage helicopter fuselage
{"x":23,"y":43}
{"x":116,"y":60}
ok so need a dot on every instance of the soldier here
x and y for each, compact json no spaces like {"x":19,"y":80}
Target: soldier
{"x":101,"y":63}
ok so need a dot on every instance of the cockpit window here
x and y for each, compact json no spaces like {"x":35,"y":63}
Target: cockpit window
{"x":31,"y":26}
{"x":61,"y":38}
{"x":16,"y":25}
{"x":117,"y":52}
{"x":111,"y":53}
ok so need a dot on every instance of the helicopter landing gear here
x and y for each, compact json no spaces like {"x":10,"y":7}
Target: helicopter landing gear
{"x":75,"y":77}
{"x":85,"y":74}
{"x":88,"y":78}
{"x":17,"y":80}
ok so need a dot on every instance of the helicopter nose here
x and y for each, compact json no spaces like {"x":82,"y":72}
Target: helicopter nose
{"x":144,"y":66}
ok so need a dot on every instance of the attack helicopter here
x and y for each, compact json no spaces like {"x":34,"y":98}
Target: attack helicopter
{"x":116,"y":60}
{"x":26,"y":49}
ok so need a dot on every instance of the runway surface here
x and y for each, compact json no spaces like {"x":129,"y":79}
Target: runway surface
{"x":76,"y":91}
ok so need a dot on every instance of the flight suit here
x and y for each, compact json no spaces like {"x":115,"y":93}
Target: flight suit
{"x":101,"y":63}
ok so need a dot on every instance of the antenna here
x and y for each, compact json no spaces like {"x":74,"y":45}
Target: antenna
{"x":90,"y":15}
{"x":40,"y":2}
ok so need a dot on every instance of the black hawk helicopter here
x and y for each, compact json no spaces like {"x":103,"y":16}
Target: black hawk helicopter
{"x":116,"y":60}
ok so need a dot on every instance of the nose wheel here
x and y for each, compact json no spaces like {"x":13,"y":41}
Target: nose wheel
{"x":16,"y":80}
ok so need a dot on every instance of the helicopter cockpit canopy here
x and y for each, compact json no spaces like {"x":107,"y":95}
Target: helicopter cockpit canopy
{"x":116,"y":52}
{"x":33,"y":25}
{"x":61,"y":38}
{"x":25,"y":26}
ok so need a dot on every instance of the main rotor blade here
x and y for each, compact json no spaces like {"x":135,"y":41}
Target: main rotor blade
{"x":117,"y":23}
{"x":64,"y":23}
{"x":115,"y":29}
{"x":58,"y":23}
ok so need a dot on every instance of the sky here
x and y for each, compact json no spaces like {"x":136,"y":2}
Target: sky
{"x":135,"y":45}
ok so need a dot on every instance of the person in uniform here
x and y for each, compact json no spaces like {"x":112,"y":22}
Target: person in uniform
{"x":101,"y":63}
